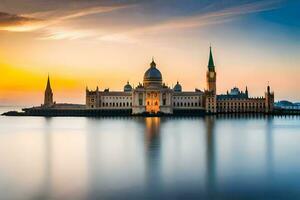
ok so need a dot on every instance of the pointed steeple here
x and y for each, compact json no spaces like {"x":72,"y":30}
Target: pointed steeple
{"x":48,"y":98}
{"x":48,"y":86}
{"x":211,"y":65}
{"x":246,"y":92}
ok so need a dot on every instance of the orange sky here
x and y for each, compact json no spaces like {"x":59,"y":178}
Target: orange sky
{"x":108,"y":45}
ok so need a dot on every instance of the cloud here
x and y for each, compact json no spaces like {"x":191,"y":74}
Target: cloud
{"x":59,"y":23}
{"x":39,"y":20}
{"x":18,"y":23}
{"x":195,"y":21}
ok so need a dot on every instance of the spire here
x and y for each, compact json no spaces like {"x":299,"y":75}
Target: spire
{"x":268,"y":88}
{"x":246,"y":91}
{"x":211,"y":65}
{"x":153,"y":64}
{"x":48,"y":98}
{"x":48,"y":87}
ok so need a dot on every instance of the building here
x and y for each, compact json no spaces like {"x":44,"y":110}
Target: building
{"x":153,"y":96}
{"x":48,"y":100}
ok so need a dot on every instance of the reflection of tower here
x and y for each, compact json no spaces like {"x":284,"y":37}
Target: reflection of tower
{"x":152,"y":150}
{"x":269,"y":148}
{"x":210,"y":155}
{"x":45,"y":191}
{"x":48,"y":99}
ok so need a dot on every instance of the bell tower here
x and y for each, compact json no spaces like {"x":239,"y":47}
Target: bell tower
{"x":48,"y":99}
{"x":211,"y":75}
{"x":211,"y":90}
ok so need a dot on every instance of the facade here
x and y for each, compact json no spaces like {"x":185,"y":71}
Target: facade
{"x":154,"y":97}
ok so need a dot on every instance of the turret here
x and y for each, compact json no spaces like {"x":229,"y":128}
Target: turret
{"x":269,"y":100}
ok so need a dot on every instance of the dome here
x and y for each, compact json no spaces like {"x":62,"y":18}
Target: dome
{"x":177,"y":87}
{"x":152,"y":76}
{"x":127,"y":87}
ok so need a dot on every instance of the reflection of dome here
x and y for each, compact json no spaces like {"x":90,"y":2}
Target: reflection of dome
{"x":152,"y":76}
{"x":127,"y":87}
{"x":177,"y":87}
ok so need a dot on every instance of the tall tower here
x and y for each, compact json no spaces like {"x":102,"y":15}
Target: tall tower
{"x":211,"y":90}
{"x":48,"y":99}
{"x":211,"y":75}
{"x":269,"y":100}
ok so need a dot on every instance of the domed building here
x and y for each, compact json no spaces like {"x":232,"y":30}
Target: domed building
{"x":153,"y":96}
{"x":127,"y":87}
{"x":177,"y":87}
{"x":152,"y":76}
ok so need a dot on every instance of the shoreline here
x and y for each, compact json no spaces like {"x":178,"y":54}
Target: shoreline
{"x":128,"y":113}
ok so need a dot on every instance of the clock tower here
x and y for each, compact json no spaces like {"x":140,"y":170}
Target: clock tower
{"x":211,"y":75}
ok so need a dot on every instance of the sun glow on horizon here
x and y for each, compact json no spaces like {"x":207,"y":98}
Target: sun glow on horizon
{"x":90,"y":44}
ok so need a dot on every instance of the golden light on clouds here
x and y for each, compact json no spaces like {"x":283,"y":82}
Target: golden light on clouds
{"x":89,"y":44}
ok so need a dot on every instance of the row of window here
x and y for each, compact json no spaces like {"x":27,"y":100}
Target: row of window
{"x":234,"y":109}
{"x":180,"y":98}
{"x":112,"y":97}
{"x":113,"y":104}
{"x":186,"y":104}
{"x":243,"y":104}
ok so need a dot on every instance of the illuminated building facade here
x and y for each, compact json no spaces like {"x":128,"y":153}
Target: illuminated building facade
{"x":155,"y":97}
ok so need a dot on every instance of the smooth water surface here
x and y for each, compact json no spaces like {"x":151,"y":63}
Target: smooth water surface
{"x":250,"y":157}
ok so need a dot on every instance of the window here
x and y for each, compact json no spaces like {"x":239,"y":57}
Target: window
{"x":141,"y":98}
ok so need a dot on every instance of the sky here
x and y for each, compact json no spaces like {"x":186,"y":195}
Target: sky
{"x":106,"y":43}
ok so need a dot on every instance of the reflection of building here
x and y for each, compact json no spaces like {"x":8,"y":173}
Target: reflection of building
{"x":153,"y":97}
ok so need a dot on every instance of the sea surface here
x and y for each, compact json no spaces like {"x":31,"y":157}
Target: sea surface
{"x":225,"y":157}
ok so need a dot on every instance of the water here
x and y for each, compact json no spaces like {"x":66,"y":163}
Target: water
{"x":252,"y":157}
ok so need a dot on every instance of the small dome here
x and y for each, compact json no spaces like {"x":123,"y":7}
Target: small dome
{"x":177,"y":87}
{"x":152,"y":75}
{"x":127,"y":87}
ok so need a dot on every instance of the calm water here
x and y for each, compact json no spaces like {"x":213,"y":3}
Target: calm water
{"x":149,"y":158}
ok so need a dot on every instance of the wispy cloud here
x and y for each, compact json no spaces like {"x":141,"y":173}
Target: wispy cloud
{"x":198,"y":20}
{"x":40,"y":20}
{"x":19,"y":23}
{"x":52,"y":24}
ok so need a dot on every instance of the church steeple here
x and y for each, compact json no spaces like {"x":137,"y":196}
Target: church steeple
{"x":48,"y":87}
{"x":48,"y":99}
{"x":211,"y":65}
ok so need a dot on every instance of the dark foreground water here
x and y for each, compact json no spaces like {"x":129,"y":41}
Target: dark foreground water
{"x":251,"y":157}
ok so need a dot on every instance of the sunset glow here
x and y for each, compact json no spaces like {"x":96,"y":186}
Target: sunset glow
{"x":106,"y":43}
